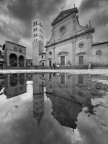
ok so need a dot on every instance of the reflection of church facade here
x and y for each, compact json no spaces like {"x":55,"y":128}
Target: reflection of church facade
{"x":72,"y":44}
{"x":69,"y":94}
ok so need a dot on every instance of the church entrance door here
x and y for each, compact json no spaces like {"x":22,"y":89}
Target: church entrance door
{"x":80,"y":60}
{"x":62,"y":60}
{"x":50,"y":63}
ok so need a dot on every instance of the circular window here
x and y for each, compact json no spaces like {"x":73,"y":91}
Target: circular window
{"x":50,"y":53}
{"x":99,"y":52}
{"x":62,"y":29}
{"x":81,"y":45}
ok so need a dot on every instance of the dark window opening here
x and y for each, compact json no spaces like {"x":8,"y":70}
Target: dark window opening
{"x":80,"y":79}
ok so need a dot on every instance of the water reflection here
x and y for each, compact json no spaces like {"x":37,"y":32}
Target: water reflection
{"x":1,"y":84}
{"x":38,"y":98}
{"x":15,"y":84}
{"x":69,"y":94}
{"x":61,"y":108}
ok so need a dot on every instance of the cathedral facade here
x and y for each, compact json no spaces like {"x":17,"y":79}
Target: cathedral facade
{"x":71,"y":44}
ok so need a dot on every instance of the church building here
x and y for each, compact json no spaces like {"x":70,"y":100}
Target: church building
{"x":71,"y":44}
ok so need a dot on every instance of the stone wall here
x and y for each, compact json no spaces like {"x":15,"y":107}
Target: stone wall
{"x":99,"y":54}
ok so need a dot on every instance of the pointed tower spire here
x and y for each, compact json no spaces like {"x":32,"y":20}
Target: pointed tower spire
{"x":37,"y":16}
{"x":90,"y":23}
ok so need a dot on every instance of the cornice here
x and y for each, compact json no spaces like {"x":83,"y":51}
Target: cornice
{"x":91,"y":29}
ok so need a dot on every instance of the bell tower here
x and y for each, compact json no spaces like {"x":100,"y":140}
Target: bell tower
{"x":37,"y":39}
{"x":37,"y":29}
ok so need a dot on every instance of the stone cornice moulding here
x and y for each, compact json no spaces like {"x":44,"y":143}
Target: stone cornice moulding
{"x":91,"y":29}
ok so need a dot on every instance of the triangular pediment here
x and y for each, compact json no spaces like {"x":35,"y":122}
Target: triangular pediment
{"x":63,"y":15}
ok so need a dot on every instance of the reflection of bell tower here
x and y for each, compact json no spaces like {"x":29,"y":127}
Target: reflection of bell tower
{"x":38,"y":99}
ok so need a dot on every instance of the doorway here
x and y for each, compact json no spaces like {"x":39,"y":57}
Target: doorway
{"x":50,"y":63}
{"x":42,"y":63}
{"x":80,"y":60}
{"x":62,"y":60}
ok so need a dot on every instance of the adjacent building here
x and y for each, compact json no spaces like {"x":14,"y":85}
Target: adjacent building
{"x":14,"y":55}
{"x":99,"y":53}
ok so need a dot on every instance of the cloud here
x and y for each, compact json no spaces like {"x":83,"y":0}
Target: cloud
{"x":97,"y":11}
{"x":70,"y":3}
{"x":28,"y":44}
{"x":27,"y":9}
{"x":16,"y":16}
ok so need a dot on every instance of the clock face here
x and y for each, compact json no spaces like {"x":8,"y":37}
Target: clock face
{"x":62,"y":30}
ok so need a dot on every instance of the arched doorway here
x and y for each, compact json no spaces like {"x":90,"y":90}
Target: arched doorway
{"x":13,"y":60}
{"x":21,"y":61}
{"x":42,"y":63}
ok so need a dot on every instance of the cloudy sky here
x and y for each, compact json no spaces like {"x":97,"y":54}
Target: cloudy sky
{"x":16,"y":17}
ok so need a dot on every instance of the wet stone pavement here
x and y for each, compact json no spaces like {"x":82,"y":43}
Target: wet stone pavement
{"x":53,"y":108}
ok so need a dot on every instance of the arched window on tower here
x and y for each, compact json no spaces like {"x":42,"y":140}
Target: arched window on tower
{"x":33,"y":23}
